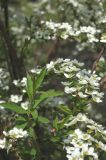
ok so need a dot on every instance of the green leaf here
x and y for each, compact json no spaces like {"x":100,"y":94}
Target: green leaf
{"x":63,"y":121}
{"x":34,"y":114}
{"x":29,"y":87}
{"x":22,"y":125}
{"x":20,"y":118}
{"x":65,"y":109}
{"x":43,"y":119}
{"x":14,"y":107}
{"x":33,"y":151}
{"x":39,"y":80}
{"x":32,"y":133}
{"x":55,"y":139}
{"x":47,"y":94}
{"x":21,"y":122}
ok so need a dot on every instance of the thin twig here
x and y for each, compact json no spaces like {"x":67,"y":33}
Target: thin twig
{"x":98,"y":58}
{"x":52,"y":50}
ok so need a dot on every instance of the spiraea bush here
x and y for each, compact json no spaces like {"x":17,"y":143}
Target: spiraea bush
{"x":47,"y":114}
{"x":66,"y":124}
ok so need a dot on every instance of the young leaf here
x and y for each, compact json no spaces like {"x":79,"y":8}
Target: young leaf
{"x":34,"y":114}
{"x":63,"y":121}
{"x":47,"y":94}
{"x":22,"y":125}
{"x":14,"y":107}
{"x":65,"y":109}
{"x":29,"y":86}
{"x":33,"y":151}
{"x":32,"y":133}
{"x":39,"y":79}
{"x":21,"y":118}
{"x":55,"y":139}
{"x":43,"y":119}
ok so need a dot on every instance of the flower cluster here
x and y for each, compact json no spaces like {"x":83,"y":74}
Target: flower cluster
{"x":3,"y":143}
{"x":103,"y":39}
{"x":15,"y":98}
{"x":90,"y":16}
{"x":65,"y":30}
{"x":79,"y":145}
{"x":20,"y":83}
{"x":16,"y":133}
{"x":11,"y":136}
{"x":78,"y":82}
{"x":90,"y":124}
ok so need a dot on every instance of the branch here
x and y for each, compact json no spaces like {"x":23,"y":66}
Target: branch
{"x":11,"y":54}
{"x":98,"y":58}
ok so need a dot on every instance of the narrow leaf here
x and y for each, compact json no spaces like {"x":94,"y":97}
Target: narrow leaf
{"x":29,"y":86}
{"x":23,"y":125}
{"x":39,"y":79}
{"x":43,"y":119}
{"x":32,"y":133}
{"x":65,"y":109}
{"x":47,"y":94}
{"x":14,"y":107}
{"x":34,"y":114}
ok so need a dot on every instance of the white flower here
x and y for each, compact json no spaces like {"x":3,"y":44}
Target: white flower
{"x":81,"y":117}
{"x":67,"y":75}
{"x":69,"y":90}
{"x":24,"y":105}
{"x":85,"y":148}
{"x":3,"y":143}
{"x":86,"y":136}
{"x":69,"y":149}
{"x":66,"y":83}
{"x":90,"y":151}
{"x":97,"y":99}
{"x":76,"y":153}
{"x":1,"y":107}
{"x":83,"y":81}
{"x":33,"y":70}
{"x":23,"y":90}
{"x":17,"y":133}
{"x":78,"y":133}
{"x":95,"y":155}
{"x":102,"y":59}
{"x":24,"y":81}
{"x":15,"y":98}
{"x":82,"y":95}
{"x":94,"y":81}
{"x":69,"y":157}
{"x":16,"y":82}
{"x":103,"y":40}
{"x":96,"y":96}
{"x":50,"y":65}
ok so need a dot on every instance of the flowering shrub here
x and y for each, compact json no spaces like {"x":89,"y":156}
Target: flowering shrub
{"x":70,"y":128}
{"x":80,"y":22}
{"x":46,"y":113}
